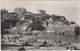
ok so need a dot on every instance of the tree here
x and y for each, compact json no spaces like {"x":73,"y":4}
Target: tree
{"x":37,"y":24}
{"x":20,"y":11}
{"x":4,"y":11}
{"x":47,"y":16}
{"x":28,"y":15}
{"x":42,"y":15}
{"x":3,"y":14}
{"x":42,"y":11}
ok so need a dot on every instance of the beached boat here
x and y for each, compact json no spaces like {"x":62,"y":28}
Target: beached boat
{"x":12,"y":43}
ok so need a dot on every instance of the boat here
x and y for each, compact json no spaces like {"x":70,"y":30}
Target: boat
{"x":11,"y":44}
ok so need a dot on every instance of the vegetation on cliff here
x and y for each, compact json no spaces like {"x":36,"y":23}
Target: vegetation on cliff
{"x":21,"y":15}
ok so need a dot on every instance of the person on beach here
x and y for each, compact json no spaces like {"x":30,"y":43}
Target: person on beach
{"x":48,"y":42}
{"x":59,"y":41}
{"x":69,"y":43}
{"x":9,"y":38}
{"x":26,"y":43}
{"x":45,"y":43}
{"x":55,"y":40}
{"x":22,"y":49}
{"x":67,"y":48}
{"x":51,"y":43}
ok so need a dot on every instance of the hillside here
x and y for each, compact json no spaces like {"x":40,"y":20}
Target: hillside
{"x":24,"y":20}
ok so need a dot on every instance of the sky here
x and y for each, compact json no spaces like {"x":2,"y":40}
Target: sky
{"x":69,"y":9}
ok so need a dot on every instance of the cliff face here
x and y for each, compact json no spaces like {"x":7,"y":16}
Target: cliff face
{"x":59,"y":27}
{"x":28,"y":21}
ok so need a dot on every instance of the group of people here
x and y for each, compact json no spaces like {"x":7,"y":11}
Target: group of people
{"x":67,"y":45}
{"x":10,"y":38}
{"x":45,"y":43}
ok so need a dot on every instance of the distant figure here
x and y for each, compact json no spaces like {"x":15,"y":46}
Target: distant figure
{"x":51,"y":43}
{"x":75,"y":48}
{"x":55,"y":40}
{"x":26,"y":43}
{"x":35,"y":40}
{"x":67,"y":48}
{"x":8,"y":37}
{"x":22,"y":49}
{"x":59,"y":41}
{"x":48,"y":42}
{"x":69,"y":43}
{"x":45,"y":43}
{"x":63,"y":33}
{"x":60,"y":38}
